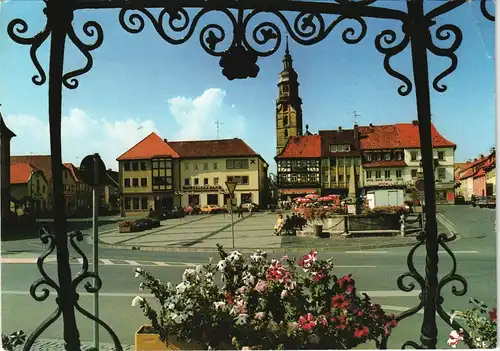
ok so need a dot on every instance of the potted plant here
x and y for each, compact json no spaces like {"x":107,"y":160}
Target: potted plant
{"x":278,"y":304}
{"x":127,"y":227}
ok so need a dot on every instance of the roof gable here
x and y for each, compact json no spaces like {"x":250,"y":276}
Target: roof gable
{"x":212,"y":148}
{"x":42,"y":162}
{"x":73,"y":171}
{"x":147,"y":148}
{"x":20,"y":173}
{"x":409,"y":136}
{"x":304,"y":146}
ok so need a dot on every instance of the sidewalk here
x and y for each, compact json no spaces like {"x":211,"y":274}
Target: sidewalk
{"x":58,"y":345}
{"x":204,"y":232}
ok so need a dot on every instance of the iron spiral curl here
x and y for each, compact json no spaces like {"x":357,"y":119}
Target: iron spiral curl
{"x":17,"y":27}
{"x":388,"y":37}
{"x":444,"y":33}
{"x":82,"y":275}
{"x":91,"y":29}
{"x":451,"y":276}
{"x":486,"y":13}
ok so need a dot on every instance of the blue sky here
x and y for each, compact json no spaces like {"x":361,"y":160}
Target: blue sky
{"x":140,"y":83}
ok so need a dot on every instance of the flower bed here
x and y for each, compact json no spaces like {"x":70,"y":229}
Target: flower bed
{"x":265,"y":305}
{"x":128,"y":227}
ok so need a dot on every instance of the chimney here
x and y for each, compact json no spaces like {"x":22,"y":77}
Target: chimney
{"x":475,"y":159}
{"x":414,"y":122}
{"x":340,"y":129}
{"x":481,"y":156}
{"x":356,"y":134}
{"x":371,"y":125}
{"x":165,"y":140}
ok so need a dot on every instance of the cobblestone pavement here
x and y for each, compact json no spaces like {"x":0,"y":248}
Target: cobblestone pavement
{"x":58,"y":345}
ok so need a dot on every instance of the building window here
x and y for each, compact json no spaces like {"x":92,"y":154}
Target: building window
{"x":229,"y":178}
{"x":341,"y":178}
{"x":333,"y":179}
{"x":237,"y":164}
{"x":194,"y":200}
{"x":387,"y":156}
{"x":65,"y":175}
{"x":441,"y":173}
{"x":246,"y":198}
{"x":378,"y":157}
{"x":399,"y":173}
{"x":186,"y":181}
{"x":135,"y":203}
{"x":196,"y":181}
{"x":135,"y":182}
{"x":186,"y":166}
{"x":333,"y":148}
{"x":126,"y":182}
{"x":348,"y":178}
{"x":205,"y":181}
{"x":127,"y":203}
{"x":413,"y":156}
{"x":347,"y":147}
{"x":368,"y":174}
{"x":398,"y":155}
{"x":162,"y":174}
{"x":195,"y":166}
{"x":378,"y":174}
{"x":414,"y":173}
{"x":216,"y":180}
{"x":285,"y":121}
{"x":285,"y":88}
{"x":205,"y":166}
{"x":441,"y":155}
{"x":212,"y":199}
{"x":285,"y":106}
{"x":144,"y":166}
{"x":126,"y":167}
{"x":144,"y":182}
{"x":244,"y":180}
{"x":135,"y":166}
{"x":387,"y":174}
{"x":333,"y":162}
{"x":368,"y":157}
{"x":144,"y":203}
{"x":286,"y":133}
{"x":216,"y":165}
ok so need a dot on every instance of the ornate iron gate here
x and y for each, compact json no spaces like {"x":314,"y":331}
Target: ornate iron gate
{"x":240,"y":61}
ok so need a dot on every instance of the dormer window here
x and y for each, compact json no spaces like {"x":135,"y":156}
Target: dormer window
{"x":333,"y":148}
{"x":398,"y":155}
{"x":387,"y":156}
{"x":347,"y":147}
{"x":368,"y":157}
{"x":378,"y":157}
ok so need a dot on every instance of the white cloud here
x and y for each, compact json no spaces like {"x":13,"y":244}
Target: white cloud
{"x":196,"y":117}
{"x":81,"y":135}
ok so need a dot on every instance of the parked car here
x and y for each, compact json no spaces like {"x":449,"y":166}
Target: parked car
{"x":144,"y":223}
{"x":210,"y":209}
{"x":481,"y":201}
{"x":459,"y":200}
{"x":245,"y":207}
{"x":492,"y":202}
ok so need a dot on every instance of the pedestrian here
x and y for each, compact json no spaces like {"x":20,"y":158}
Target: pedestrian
{"x":240,"y":211}
{"x":278,"y":227}
{"x":287,"y":225}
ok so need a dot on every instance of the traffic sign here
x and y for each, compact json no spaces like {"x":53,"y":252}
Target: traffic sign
{"x":88,"y":173}
{"x":45,"y":229}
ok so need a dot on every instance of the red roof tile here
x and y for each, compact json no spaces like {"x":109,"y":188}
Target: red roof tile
{"x":212,"y":148}
{"x":379,"y":137}
{"x":42,"y":162}
{"x":20,"y":173}
{"x":410,"y":138}
{"x":147,"y":148}
{"x":468,"y":174}
{"x":391,"y":163}
{"x":481,"y":173}
{"x":304,"y":146}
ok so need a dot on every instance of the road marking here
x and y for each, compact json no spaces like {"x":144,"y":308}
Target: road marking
{"x":164,"y":264}
{"x":449,"y":225}
{"x":133,"y":263}
{"x":80,"y":260}
{"x":462,"y":252}
{"x":365,"y":252}
{"x":105,"y":261}
{"x":393,"y":293}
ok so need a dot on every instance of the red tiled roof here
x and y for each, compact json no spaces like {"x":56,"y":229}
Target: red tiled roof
{"x":150,"y":146}
{"x":468,"y":174}
{"x":212,"y":148}
{"x":379,"y":137}
{"x":391,"y":163}
{"x":73,"y":170}
{"x":42,"y":162}
{"x":20,"y":173}
{"x":470,"y":165}
{"x":410,"y":138}
{"x":481,"y":173}
{"x":304,"y":146}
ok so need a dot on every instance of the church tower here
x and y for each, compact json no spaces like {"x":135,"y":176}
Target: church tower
{"x":288,"y":104}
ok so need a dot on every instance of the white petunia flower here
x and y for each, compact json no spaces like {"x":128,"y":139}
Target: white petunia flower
{"x":169,"y":285}
{"x":171,"y":306}
{"x":219,"y":305}
{"x":141,"y":286}
{"x":221,"y":265}
{"x":136,"y":300}
{"x":241,"y":319}
{"x":199,"y":269}
{"x":248,"y":279}
{"x":181,"y":287}
{"x":138,"y":271}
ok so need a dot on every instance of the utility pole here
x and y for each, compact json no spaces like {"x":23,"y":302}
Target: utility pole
{"x":218,"y":123}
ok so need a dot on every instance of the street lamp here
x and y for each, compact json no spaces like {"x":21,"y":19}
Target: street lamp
{"x":231,"y":187}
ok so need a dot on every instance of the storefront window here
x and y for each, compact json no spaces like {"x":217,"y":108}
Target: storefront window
{"x":194,"y":200}
{"x":212,"y":199}
{"x":246,"y":198}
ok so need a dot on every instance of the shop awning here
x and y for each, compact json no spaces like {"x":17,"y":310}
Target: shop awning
{"x":298,"y":191}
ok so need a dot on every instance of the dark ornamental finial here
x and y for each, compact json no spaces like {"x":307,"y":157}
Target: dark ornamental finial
{"x":287,"y":51}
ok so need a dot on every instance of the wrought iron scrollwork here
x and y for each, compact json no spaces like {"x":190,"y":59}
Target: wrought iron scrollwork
{"x":91,"y":29}
{"x":451,"y":276}
{"x":389,"y":37}
{"x":444,"y":33}
{"x":82,"y":275}
{"x":484,"y":10}
{"x":19,"y":26}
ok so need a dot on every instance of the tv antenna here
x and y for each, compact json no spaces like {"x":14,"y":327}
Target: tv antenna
{"x":218,"y":123}
{"x":356,"y":115}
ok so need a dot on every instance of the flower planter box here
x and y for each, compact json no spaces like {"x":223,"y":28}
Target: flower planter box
{"x":147,"y":341}
{"x":383,"y":221}
{"x":126,"y":229}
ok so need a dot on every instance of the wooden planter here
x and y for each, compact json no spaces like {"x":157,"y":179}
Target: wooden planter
{"x":152,"y":342}
{"x":126,"y":229}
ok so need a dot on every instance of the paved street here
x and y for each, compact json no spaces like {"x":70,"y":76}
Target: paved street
{"x":375,"y":271}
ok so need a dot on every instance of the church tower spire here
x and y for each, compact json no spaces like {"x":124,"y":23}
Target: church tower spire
{"x":288,"y":103}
